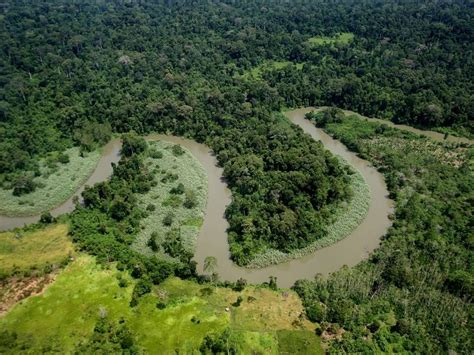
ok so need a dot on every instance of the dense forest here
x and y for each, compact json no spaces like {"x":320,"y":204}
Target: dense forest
{"x":73,"y":74}
{"x":415,"y":292}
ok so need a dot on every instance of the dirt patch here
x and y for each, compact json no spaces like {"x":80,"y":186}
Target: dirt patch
{"x":14,"y":289}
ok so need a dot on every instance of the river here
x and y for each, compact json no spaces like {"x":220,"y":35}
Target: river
{"x":212,"y":239}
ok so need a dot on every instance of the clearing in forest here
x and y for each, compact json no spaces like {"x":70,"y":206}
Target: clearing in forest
{"x":22,"y":250}
{"x":176,"y":315}
{"x":343,"y":38}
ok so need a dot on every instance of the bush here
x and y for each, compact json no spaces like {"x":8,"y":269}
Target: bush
{"x":23,"y":185}
{"x":191,"y":200}
{"x":177,"y":150}
{"x":178,"y":190}
{"x":46,"y":218}
{"x":168,"y":220}
{"x":63,"y":158}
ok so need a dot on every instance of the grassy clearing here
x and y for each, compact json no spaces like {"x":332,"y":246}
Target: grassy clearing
{"x":257,"y":71}
{"x":57,"y":183}
{"x":171,"y":171}
{"x":66,"y":314}
{"x":343,"y":38}
{"x":347,"y":217}
{"x":22,"y":251}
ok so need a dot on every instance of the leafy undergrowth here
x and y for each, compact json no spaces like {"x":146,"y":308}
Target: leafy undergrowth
{"x":346,"y":218}
{"x":21,"y":251}
{"x":178,"y":315}
{"x":174,"y":214}
{"x":55,"y":185}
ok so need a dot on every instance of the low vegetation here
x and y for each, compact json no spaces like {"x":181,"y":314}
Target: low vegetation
{"x":342,"y":38}
{"x":29,"y":260}
{"x":347,"y":217}
{"x":256,"y":72}
{"x":414,"y":293}
{"x":56,"y":180}
{"x":87,"y":309}
{"x":174,"y":205}
{"x":24,"y":250}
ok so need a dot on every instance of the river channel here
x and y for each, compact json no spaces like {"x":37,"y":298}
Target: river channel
{"x":212,"y":239}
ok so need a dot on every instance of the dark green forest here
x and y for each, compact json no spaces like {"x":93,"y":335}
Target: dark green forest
{"x":74,"y":73}
{"x":415,"y":292}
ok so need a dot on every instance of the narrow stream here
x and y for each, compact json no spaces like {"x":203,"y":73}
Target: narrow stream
{"x":212,"y":240}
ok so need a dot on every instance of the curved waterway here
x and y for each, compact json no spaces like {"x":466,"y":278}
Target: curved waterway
{"x":110,"y":154}
{"x":349,"y":251}
{"x":212,"y":239}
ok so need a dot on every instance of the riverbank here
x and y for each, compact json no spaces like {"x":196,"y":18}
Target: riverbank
{"x":56,"y":184}
{"x":437,"y":136}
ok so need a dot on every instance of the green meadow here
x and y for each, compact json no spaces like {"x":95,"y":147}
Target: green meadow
{"x":342,"y":38}
{"x":256,"y":72}
{"x":23,"y":250}
{"x":56,"y":183}
{"x":65,"y":315}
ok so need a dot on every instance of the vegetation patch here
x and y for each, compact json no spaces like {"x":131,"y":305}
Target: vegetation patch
{"x":23,"y":250}
{"x":87,"y":300}
{"x":413,"y":295}
{"x":60,"y":175}
{"x":176,"y":203}
{"x":347,"y":216}
{"x":342,"y":38}
{"x":256,"y":72}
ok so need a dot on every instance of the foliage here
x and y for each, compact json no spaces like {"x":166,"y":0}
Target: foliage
{"x":346,"y":217}
{"x":54,"y":185}
{"x":86,"y":310}
{"x":109,"y":221}
{"x":173,"y":220}
{"x":413,"y":294}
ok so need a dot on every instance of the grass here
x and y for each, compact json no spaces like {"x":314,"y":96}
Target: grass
{"x":22,"y":251}
{"x":256,"y":72}
{"x":186,"y":221}
{"x":65,"y":314}
{"x":343,"y":38}
{"x":347,"y":217}
{"x":57,"y":183}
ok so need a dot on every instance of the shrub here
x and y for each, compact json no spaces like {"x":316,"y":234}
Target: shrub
{"x":168,"y":220}
{"x":178,"y":190}
{"x":23,"y":185}
{"x":46,"y":218}
{"x":177,"y":150}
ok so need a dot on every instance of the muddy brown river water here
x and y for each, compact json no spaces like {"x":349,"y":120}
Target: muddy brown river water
{"x":212,"y":240}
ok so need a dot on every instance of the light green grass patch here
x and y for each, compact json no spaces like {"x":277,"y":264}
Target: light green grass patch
{"x":23,"y":251}
{"x":298,"y":342}
{"x":257,"y":71}
{"x":69,"y":308}
{"x":343,"y":38}
{"x":57,"y":184}
{"x":186,"y":221}
{"x":347,"y":217}
{"x":67,"y":312}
